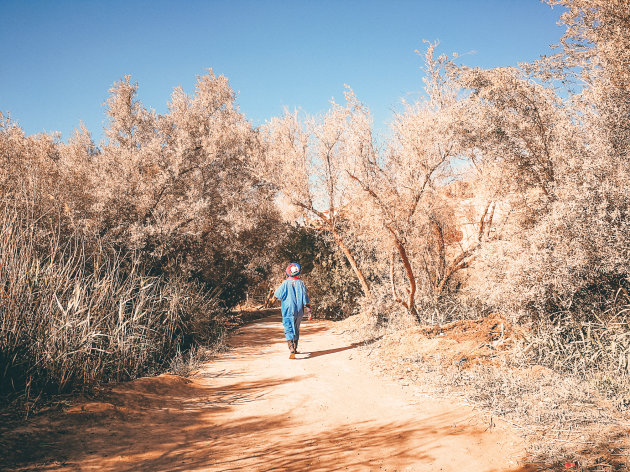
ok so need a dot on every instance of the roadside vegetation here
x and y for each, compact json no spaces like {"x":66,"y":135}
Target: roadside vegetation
{"x":116,"y":259}
{"x":505,"y":189}
{"x":501,"y":190}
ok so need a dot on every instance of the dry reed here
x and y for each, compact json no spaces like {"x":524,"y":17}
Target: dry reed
{"x":69,"y":320}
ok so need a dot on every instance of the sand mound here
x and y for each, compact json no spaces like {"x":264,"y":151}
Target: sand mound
{"x":463,"y":343}
{"x":491,"y":328}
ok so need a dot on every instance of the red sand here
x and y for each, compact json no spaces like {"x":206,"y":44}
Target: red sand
{"x":253,"y":409}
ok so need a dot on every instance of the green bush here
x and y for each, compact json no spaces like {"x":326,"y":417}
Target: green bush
{"x":332,"y":285}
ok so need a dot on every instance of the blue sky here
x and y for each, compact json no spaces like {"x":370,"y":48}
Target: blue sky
{"x":59,"y":58}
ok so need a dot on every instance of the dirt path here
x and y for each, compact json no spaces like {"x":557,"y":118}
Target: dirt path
{"x":253,"y":409}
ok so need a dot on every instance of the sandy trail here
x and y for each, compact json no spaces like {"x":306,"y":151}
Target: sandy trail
{"x":253,"y":409}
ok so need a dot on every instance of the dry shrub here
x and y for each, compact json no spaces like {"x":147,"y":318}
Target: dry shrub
{"x":116,"y":257}
{"x":68,"y":321}
{"x":188,"y":363}
{"x":557,"y":161}
{"x":177,"y":189}
{"x":596,"y":351}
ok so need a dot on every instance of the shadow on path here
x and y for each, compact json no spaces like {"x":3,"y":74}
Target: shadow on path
{"x":194,"y":436}
{"x":310,"y":355}
{"x":268,"y":332}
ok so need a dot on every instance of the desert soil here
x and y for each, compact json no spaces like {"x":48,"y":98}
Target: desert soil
{"x":253,"y":409}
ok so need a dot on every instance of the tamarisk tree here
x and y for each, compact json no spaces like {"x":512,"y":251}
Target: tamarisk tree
{"x":407,"y":186}
{"x":303,"y":159}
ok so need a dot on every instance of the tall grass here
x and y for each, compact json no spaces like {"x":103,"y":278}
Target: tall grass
{"x":583,"y":347}
{"x":595,"y":348}
{"x":70,"y":320}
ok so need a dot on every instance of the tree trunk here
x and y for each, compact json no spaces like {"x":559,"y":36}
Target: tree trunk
{"x":329,"y":225}
{"x":410,"y":304}
{"x":352,"y":261}
{"x":392,"y":280}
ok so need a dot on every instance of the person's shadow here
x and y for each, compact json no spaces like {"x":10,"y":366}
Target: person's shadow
{"x":310,"y":355}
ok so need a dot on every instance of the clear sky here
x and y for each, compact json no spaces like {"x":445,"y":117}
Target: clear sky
{"x":59,"y":58}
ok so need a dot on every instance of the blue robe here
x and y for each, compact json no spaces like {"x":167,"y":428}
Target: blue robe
{"x":293,"y":294}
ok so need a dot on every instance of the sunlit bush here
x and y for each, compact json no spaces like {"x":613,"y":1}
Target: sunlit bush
{"x":70,"y":321}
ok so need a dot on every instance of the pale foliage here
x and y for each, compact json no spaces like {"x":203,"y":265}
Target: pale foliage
{"x":521,"y":172}
{"x":379,"y":200}
{"x":304,"y":161}
{"x":405,"y":187}
{"x":117,"y":256}
{"x":178,"y":187}
{"x":560,"y":162}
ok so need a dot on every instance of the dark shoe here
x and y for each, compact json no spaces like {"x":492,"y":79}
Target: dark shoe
{"x":295,"y":345}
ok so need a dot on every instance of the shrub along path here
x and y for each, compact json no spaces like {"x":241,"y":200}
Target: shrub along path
{"x":253,"y":409}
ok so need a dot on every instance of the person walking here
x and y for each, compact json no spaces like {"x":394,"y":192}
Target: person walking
{"x":294,"y":305}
